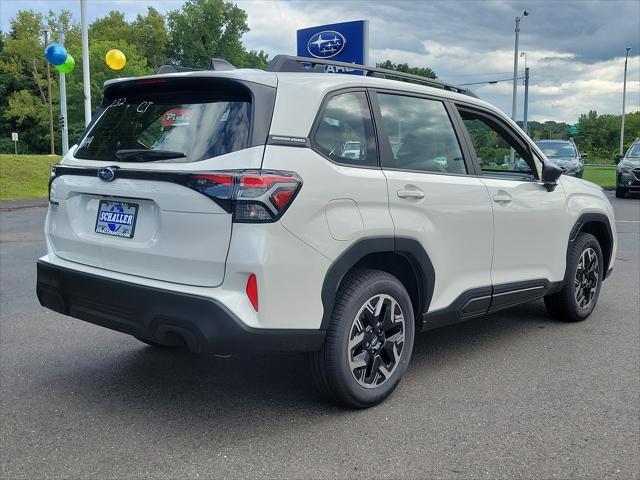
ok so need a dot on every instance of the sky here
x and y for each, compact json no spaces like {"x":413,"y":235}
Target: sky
{"x":575,"y":49}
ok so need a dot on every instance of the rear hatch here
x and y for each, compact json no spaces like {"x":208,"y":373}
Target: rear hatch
{"x":147,"y":190}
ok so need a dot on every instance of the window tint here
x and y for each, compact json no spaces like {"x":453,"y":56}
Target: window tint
{"x":421,"y":135}
{"x":497,"y":151}
{"x":345,"y":131}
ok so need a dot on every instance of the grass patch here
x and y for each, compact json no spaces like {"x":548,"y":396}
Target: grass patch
{"x":605,"y":177}
{"x":25,"y":176}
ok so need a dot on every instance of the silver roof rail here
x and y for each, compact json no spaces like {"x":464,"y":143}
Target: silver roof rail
{"x":290,"y":63}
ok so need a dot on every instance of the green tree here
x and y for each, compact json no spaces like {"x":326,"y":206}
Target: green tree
{"x":23,"y":81}
{"x":204,"y":29}
{"x":404,"y":67}
{"x":147,"y":33}
{"x":254,"y":59}
{"x":151,"y":37}
{"x":111,"y":27}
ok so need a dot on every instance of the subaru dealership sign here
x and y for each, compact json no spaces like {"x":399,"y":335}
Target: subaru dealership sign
{"x":343,"y":42}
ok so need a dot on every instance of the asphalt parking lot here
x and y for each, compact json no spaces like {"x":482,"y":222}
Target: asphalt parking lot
{"x":514,"y":395}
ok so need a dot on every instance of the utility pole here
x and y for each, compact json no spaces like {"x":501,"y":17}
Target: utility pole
{"x":45,"y":28}
{"x":64,"y":124}
{"x":624,"y":95}
{"x":86,"y":85}
{"x":525,"y":126}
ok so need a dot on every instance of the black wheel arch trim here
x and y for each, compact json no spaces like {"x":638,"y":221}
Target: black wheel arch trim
{"x":601,"y":218}
{"x":408,"y":247}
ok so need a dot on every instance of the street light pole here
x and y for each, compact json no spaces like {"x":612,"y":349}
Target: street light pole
{"x":515,"y":67}
{"x":624,"y":95}
{"x":525,"y":125}
{"x":45,"y":28}
{"x":525,"y":115}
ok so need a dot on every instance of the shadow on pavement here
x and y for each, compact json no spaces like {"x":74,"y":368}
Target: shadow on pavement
{"x":160,"y":384}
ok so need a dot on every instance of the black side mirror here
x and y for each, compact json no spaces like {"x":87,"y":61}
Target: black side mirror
{"x":619,"y":157}
{"x":550,"y":175}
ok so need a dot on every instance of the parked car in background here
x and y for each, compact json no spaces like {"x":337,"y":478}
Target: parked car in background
{"x":351,"y":150}
{"x":628,"y":178}
{"x":565,"y":154}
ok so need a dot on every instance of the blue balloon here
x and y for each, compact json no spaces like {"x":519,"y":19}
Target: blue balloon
{"x":55,"y":54}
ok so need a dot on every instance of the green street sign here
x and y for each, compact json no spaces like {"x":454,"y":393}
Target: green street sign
{"x":574,"y":129}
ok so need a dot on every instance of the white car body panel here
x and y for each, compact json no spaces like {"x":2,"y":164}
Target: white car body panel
{"x":454,"y":224}
{"x":524,"y":228}
{"x":324,"y":182}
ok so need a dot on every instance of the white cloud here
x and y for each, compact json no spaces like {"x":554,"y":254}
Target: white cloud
{"x":573,"y":47}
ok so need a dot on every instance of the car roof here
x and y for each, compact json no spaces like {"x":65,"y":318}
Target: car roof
{"x":306,"y":91}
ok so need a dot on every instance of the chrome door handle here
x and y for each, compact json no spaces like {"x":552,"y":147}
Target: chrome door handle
{"x":410,"y":194}
{"x":502,"y":198}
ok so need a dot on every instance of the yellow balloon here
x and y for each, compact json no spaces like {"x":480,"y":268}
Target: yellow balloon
{"x":115,"y":59}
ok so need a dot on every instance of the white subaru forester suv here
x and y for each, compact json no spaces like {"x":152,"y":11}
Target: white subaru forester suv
{"x":244,"y":210}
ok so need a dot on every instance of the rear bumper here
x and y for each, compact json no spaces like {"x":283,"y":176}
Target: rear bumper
{"x":162,"y":316}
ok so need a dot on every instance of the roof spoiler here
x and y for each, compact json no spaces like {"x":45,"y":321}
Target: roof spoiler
{"x":217,"y":64}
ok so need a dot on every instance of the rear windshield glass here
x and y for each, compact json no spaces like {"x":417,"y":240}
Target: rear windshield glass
{"x":168,"y":127}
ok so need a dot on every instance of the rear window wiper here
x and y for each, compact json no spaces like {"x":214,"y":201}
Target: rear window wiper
{"x":144,"y":155}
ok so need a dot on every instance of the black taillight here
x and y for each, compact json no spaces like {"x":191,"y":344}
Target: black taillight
{"x":252,"y":197}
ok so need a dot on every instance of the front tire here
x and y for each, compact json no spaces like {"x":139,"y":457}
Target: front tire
{"x":368,"y":343}
{"x":621,"y":192}
{"x":582,"y":281}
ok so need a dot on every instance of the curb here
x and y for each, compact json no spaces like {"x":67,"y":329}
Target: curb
{"x":10,"y":205}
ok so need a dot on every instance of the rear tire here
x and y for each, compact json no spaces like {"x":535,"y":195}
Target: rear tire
{"x":368,"y":342}
{"x":621,"y":192}
{"x":582,"y":281}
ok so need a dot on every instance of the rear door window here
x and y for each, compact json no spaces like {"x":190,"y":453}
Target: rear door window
{"x":344,"y":133}
{"x":421,"y":135}
{"x":179,"y":126}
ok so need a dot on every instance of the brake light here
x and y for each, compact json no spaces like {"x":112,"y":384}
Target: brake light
{"x":250,"y":196}
{"x":252,"y":291}
{"x":150,"y":81}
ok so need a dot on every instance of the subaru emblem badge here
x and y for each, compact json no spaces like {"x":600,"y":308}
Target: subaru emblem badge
{"x":106,"y":174}
{"x":326,"y":44}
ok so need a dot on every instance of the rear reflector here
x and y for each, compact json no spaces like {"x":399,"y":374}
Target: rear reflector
{"x":252,"y":291}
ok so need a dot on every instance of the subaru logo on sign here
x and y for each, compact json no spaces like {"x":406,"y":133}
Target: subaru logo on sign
{"x":326,"y":44}
{"x":106,"y":174}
